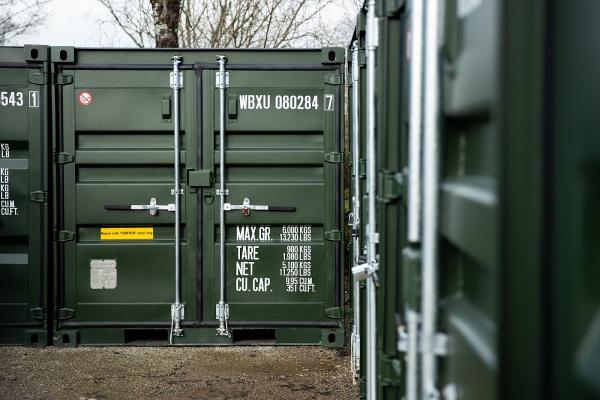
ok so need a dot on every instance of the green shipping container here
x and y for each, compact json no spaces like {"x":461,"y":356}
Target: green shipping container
{"x":113,"y":116}
{"x":517,"y":299}
{"x":24,"y":234}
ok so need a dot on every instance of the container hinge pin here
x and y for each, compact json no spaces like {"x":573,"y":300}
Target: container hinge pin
{"x":439,"y":345}
{"x":65,"y":313}
{"x":403,"y":339}
{"x":334,"y":157}
{"x":39,"y":196}
{"x":393,"y":185}
{"x":354,"y":222}
{"x":334,"y":79}
{"x":37,"y":313}
{"x":334,"y":235}
{"x":63,"y":236}
{"x":334,"y":312}
{"x":38,"y":78}
{"x":63,"y":158}
{"x":61,"y":79}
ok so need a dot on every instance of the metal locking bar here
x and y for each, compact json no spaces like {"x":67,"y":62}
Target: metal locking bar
{"x":372,"y":42}
{"x":222,"y":308}
{"x":408,"y":343}
{"x":246,"y":207}
{"x":153,"y":208}
{"x":430,"y":207}
{"x":354,"y":218}
{"x":177,"y":308}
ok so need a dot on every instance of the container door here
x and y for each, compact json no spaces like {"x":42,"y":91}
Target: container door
{"x":283,"y":201}
{"x":23,"y":195}
{"x":115,"y":266}
{"x":115,"y":259}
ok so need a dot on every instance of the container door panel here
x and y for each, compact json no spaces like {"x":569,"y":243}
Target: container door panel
{"x":118,"y":129}
{"x":282,"y":127}
{"x":24,"y":105}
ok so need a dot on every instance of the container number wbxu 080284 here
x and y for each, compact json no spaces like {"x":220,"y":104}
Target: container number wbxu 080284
{"x":284,"y":102}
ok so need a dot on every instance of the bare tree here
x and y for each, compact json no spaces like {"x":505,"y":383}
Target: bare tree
{"x":146,"y":22}
{"x":166,"y":22}
{"x":18,"y":17}
{"x":239,"y":23}
{"x":134,"y":18}
{"x":250,"y":23}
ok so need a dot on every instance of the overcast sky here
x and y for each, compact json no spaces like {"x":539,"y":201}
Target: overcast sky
{"x":78,"y":23}
{"x":74,"y":23}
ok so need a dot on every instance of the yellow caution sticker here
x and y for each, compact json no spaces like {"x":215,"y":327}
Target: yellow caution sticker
{"x":134,"y":233}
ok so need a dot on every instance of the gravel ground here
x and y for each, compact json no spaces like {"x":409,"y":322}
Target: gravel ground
{"x":175,"y":373}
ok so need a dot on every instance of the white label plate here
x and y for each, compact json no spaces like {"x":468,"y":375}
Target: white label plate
{"x":103,"y":274}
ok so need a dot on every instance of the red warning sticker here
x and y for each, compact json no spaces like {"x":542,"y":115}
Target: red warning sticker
{"x":85,"y":98}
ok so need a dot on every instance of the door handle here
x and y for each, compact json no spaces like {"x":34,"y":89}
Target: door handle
{"x":247,"y":206}
{"x":153,"y":208}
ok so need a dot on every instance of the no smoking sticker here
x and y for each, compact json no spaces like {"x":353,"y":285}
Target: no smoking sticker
{"x":85,"y":98}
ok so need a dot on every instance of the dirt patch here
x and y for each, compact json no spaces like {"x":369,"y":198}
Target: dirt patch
{"x":175,"y":373}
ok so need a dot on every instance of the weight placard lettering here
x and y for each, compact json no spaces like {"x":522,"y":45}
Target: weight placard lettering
{"x":4,"y":150}
{"x":296,"y":233}
{"x":249,"y":233}
{"x":8,"y":207}
{"x":247,"y":258}
{"x":296,"y":265}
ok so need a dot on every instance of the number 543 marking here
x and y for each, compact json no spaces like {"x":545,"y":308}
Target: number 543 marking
{"x":16,"y":99}
{"x":13,"y":99}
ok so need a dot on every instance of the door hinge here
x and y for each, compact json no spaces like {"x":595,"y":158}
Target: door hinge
{"x":390,"y":371}
{"x":437,"y":346}
{"x":334,"y":157}
{"x":37,"y":313}
{"x":333,"y":235}
{"x":37,"y":78}
{"x":64,"y":313}
{"x":362,"y":168}
{"x":61,"y":79}
{"x":393,"y":6}
{"x":39,"y":196}
{"x":362,"y":58}
{"x":392,"y":185}
{"x":63,"y":236}
{"x":334,"y":312}
{"x":410,"y":276}
{"x":334,"y":79}
{"x":63,"y":158}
